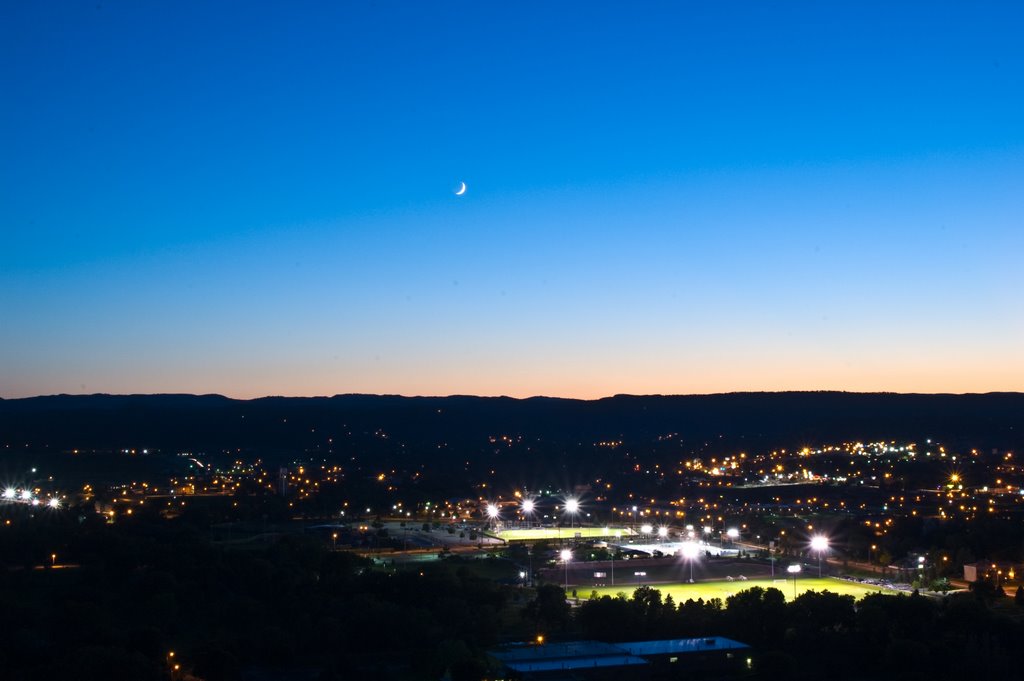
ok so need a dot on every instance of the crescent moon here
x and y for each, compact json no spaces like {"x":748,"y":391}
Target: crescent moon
{"x":462,"y":190}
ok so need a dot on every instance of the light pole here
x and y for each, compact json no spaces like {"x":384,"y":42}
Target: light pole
{"x":819,"y":544}
{"x":566,"y":555}
{"x":492,"y":513}
{"x":794,"y":570}
{"x":572,"y":507}
{"x":634,"y":520}
{"x":528,"y":507}
{"x":690,"y":554}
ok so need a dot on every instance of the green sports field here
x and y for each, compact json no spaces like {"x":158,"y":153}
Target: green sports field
{"x":561,"y":533}
{"x":724,"y":589}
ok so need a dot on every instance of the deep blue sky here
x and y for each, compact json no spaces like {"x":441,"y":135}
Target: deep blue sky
{"x":256,"y":198}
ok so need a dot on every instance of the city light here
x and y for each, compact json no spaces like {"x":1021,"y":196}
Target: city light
{"x":732,"y":533}
{"x":662,"y":532}
{"x":819,"y":544}
{"x":10,"y":493}
{"x":492,"y":511}
{"x":54,"y":502}
{"x":646,"y":529}
{"x":566,"y":554}
{"x":572,"y":505}
{"x":528,"y":506}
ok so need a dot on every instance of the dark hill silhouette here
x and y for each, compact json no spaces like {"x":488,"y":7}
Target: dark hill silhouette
{"x":747,"y":420}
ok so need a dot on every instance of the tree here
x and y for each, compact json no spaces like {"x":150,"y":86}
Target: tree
{"x":549,"y":608}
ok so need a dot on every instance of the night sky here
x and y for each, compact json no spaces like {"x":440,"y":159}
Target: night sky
{"x":258,"y":198}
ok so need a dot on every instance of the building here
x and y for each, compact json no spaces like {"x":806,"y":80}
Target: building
{"x":999,"y":573}
{"x":593,"y":660}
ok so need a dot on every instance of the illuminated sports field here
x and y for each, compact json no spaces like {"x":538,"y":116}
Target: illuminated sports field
{"x":561,"y":533}
{"x":681,"y":592}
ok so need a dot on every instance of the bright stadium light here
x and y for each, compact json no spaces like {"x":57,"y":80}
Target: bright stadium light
{"x":662,"y":531}
{"x":819,"y":544}
{"x":566,"y":555}
{"x":732,"y":533}
{"x":528,"y":506}
{"x":26,"y":495}
{"x":793,"y":570}
{"x":54,"y":502}
{"x":690,"y":551}
{"x":572,"y":507}
{"x":646,"y":529}
{"x":10,"y":493}
{"x":492,"y":511}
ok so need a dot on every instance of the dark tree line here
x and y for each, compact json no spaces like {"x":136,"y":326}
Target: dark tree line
{"x":827,"y":635}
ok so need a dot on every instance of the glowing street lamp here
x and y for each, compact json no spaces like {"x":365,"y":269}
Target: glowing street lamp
{"x":819,"y":544}
{"x":690,"y":554}
{"x":566,"y":555}
{"x":662,"y":532}
{"x":528,"y":507}
{"x":10,"y":493}
{"x":794,"y":570}
{"x":572,"y":507}
{"x":492,"y":512}
{"x":732,"y":533}
{"x":54,"y":502}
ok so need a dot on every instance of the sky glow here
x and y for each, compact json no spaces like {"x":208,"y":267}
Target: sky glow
{"x":258,"y":200}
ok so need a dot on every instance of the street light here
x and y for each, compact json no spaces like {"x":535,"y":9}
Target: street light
{"x":10,"y":493}
{"x":794,"y":570}
{"x":690,"y":554}
{"x":528,"y":507}
{"x":492,"y":512}
{"x":733,"y":534}
{"x":646,"y":529}
{"x":566,"y":555}
{"x":819,"y":544}
{"x":572,"y":507}
{"x":662,"y":532}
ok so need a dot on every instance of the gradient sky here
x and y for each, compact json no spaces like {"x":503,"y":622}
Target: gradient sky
{"x":257,"y":198}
